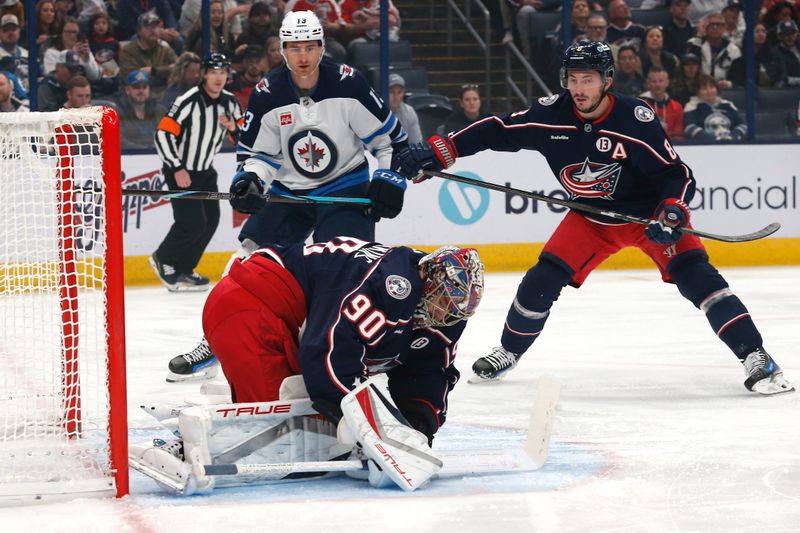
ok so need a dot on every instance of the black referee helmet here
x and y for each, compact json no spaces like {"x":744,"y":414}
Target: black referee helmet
{"x":216,"y":60}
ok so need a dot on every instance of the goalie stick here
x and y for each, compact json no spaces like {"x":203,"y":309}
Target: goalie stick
{"x":271,"y":198}
{"x":457,"y":463}
{"x":759,"y":234}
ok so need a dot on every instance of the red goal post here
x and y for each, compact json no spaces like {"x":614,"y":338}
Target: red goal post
{"x":63,"y":413}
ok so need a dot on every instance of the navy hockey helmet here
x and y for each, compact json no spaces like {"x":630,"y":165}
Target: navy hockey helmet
{"x":587,"y":55}
{"x":216,"y":60}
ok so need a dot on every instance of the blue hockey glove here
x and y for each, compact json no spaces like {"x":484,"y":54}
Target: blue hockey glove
{"x":437,"y":153}
{"x":248,"y":191}
{"x":670,"y":216}
{"x":386,"y":192}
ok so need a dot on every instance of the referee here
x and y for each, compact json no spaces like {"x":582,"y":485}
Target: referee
{"x":187,"y":139}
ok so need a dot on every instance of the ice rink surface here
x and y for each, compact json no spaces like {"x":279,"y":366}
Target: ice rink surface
{"x":654,"y":430}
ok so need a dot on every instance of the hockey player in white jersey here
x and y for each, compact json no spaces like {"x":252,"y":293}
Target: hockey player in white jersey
{"x":305,"y":131}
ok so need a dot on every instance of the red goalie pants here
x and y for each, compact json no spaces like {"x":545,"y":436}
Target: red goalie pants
{"x":251,"y":321}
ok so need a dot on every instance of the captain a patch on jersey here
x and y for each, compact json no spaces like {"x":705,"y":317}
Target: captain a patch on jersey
{"x":312,"y":153}
{"x":590,"y":180}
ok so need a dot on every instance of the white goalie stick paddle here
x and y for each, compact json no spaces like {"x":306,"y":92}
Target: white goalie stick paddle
{"x":457,"y":463}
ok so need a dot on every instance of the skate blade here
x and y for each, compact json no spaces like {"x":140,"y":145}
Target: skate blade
{"x":185,"y":287}
{"x":775,"y":384}
{"x":207,"y":372}
{"x":476,"y":379}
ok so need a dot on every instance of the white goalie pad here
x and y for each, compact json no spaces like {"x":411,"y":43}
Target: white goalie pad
{"x":285,"y":431}
{"x":397,"y":450}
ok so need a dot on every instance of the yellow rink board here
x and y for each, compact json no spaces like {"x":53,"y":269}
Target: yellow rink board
{"x":520,"y":257}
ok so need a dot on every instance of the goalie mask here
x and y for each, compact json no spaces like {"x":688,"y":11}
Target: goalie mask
{"x":453,"y":286}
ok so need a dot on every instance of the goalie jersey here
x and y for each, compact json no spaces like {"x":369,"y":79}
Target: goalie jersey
{"x":307,"y":141}
{"x":622,"y":161}
{"x":361,"y":298}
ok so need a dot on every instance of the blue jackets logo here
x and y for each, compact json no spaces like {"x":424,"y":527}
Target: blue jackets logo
{"x":461,"y":203}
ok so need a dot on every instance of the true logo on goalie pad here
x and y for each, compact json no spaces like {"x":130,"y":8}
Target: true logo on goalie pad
{"x":398,"y":287}
{"x":387,"y":457}
{"x":255,"y":410}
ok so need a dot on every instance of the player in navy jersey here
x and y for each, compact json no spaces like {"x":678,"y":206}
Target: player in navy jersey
{"x":608,"y":151}
{"x":340,"y":311}
{"x":304,"y":132}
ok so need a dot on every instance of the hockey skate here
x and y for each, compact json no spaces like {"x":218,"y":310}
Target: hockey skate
{"x":197,"y":364}
{"x":494,"y":366}
{"x":193,"y":282}
{"x":764,"y":376}
{"x":166,"y":273}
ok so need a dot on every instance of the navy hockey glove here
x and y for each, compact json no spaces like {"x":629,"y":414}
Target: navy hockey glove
{"x":437,"y":153}
{"x":248,"y":191}
{"x":670,"y":216}
{"x":386,"y":191}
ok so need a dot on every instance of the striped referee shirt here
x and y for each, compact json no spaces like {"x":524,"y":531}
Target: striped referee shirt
{"x":190,"y":135}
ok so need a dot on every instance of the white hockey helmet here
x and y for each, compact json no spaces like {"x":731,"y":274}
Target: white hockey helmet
{"x":301,"y":26}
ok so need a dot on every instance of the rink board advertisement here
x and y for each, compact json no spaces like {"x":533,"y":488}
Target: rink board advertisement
{"x":739,"y":189}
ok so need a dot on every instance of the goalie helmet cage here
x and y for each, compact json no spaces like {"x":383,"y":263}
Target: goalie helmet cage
{"x":63,"y":417}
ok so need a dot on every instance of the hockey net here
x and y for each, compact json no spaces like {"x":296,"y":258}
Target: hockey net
{"x":63,"y":422}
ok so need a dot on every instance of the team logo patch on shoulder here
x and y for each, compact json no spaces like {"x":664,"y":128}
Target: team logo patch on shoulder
{"x":644,"y":113}
{"x":345,"y":71}
{"x":548,"y":100}
{"x":263,"y":86}
{"x":398,"y":287}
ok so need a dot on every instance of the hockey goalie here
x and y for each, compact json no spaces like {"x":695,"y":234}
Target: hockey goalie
{"x":335,"y":351}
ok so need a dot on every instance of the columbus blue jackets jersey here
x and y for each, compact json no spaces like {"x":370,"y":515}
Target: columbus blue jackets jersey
{"x":621,"y":161}
{"x":305,"y":142}
{"x":360,"y":300}
{"x":715,"y":122}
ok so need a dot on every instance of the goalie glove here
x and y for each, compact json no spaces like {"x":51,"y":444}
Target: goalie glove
{"x":398,"y":451}
{"x":437,"y":153}
{"x":670,"y":216}
{"x":248,"y":193}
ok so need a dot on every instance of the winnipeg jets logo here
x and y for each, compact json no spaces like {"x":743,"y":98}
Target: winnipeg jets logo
{"x":313,"y":154}
{"x":263,"y":86}
{"x":345,"y":71}
{"x":590,"y":180}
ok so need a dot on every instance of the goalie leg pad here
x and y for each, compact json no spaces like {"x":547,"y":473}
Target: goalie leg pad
{"x":398,"y":450}
{"x":167,"y":470}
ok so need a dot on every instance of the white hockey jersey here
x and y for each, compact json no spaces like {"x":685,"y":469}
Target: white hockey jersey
{"x":304,"y":143}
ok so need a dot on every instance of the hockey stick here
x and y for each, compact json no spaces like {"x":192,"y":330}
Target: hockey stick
{"x":271,"y":198}
{"x":457,"y":463}
{"x":760,"y":234}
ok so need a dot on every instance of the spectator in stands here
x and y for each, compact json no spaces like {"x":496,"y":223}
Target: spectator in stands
{"x":779,"y":12}
{"x":79,"y":93}
{"x":243,"y":83}
{"x":469,"y":110}
{"x":186,"y":74}
{"x":330,"y":15}
{"x":789,"y":51}
{"x":579,"y":17}
{"x":405,"y":113}
{"x":66,"y":9}
{"x":103,"y":44}
{"x":68,"y":40}
{"x":9,"y":47}
{"x":668,"y":110}
{"x":653,"y":54}
{"x":13,"y":7}
{"x":770,"y":69}
{"x":221,"y":39}
{"x":8,"y":102}
{"x":362,"y":20}
{"x":628,"y":79}
{"x":261,"y":24}
{"x":130,"y":11}
{"x":48,"y":25}
{"x":679,"y":29}
{"x":235,"y":14}
{"x":621,"y":28}
{"x":138,"y":112}
{"x":684,"y":86}
{"x":699,"y":10}
{"x":53,"y":88}
{"x":734,"y":28}
{"x":597,"y":29}
{"x":148,"y":53}
{"x":716,"y":53}
{"x":274,"y":56}
{"x":711,"y":118}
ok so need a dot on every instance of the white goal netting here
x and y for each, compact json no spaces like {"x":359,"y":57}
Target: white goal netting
{"x":54,"y":383}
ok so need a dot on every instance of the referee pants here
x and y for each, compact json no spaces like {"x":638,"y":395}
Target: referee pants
{"x":195,"y":222}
